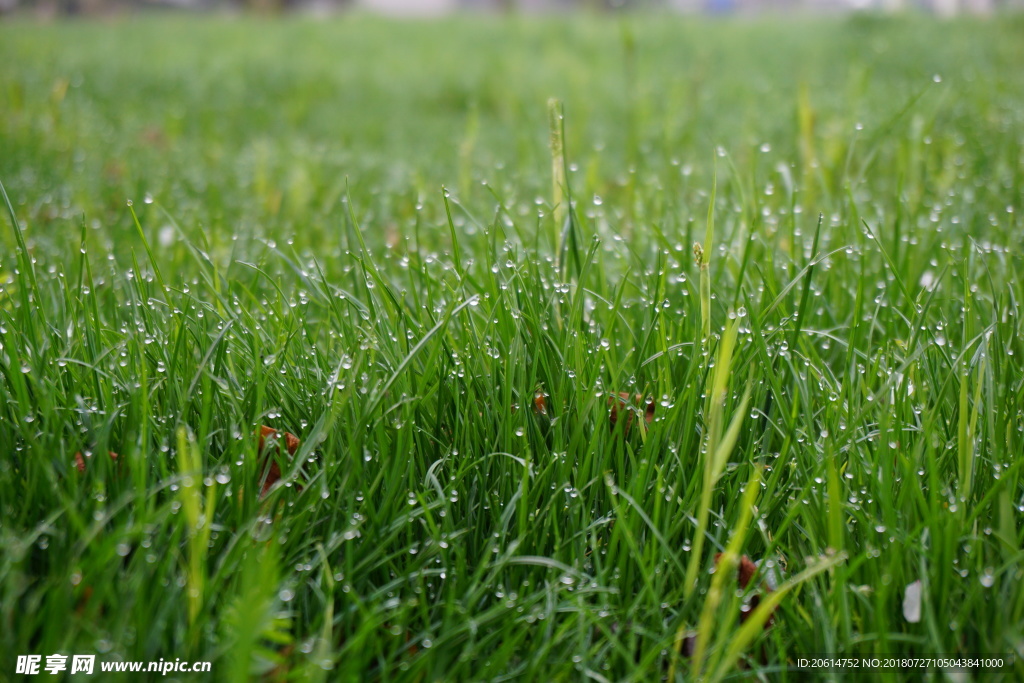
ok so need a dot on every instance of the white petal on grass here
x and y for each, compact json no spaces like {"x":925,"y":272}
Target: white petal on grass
{"x":912,"y":602}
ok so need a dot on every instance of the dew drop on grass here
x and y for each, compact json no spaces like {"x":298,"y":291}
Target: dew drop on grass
{"x":286,"y":595}
{"x":987,"y":577}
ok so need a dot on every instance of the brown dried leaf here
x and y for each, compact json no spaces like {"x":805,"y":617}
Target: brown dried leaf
{"x":281,"y":669}
{"x":291,"y":441}
{"x":291,"y":444}
{"x":746,"y":571}
{"x":80,"y":460}
{"x":744,"y":574}
{"x":617,"y":403}
{"x":83,"y":601}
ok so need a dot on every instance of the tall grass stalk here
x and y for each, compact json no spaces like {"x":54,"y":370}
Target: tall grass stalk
{"x":717,"y":445}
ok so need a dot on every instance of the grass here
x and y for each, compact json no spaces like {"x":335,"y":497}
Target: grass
{"x":219,"y":224}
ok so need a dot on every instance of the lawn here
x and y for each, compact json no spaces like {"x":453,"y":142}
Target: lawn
{"x":556,"y":380}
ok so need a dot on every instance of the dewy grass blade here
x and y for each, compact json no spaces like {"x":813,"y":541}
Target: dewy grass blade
{"x":801,"y":310}
{"x":371,"y":405}
{"x":456,"y":251}
{"x":757,"y":618}
{"x":703,"y":254}
{"x":967,"y":426}
{"x":24,"y":257}
{"x":154,"y":264}
{"x":197,"y":529}
{"x":27,"y":293}
{"x":556,"y":124}
{"x":716,"y":449}
{"x":724,"y":572}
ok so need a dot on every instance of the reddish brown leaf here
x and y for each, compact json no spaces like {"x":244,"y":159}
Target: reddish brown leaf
{"x":84,"y":600}
{"x":748,"y":609}
{"x":291,"y":441}
{"x":617,"y":403}
{"x":746,"y":571}
{"x":744,"y":574}
{"x":282,"y":669}
{"x":273,"y":476}
{"x":540,"y":406}
{"x":291,"y":444}
{"x":80,"y":460}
